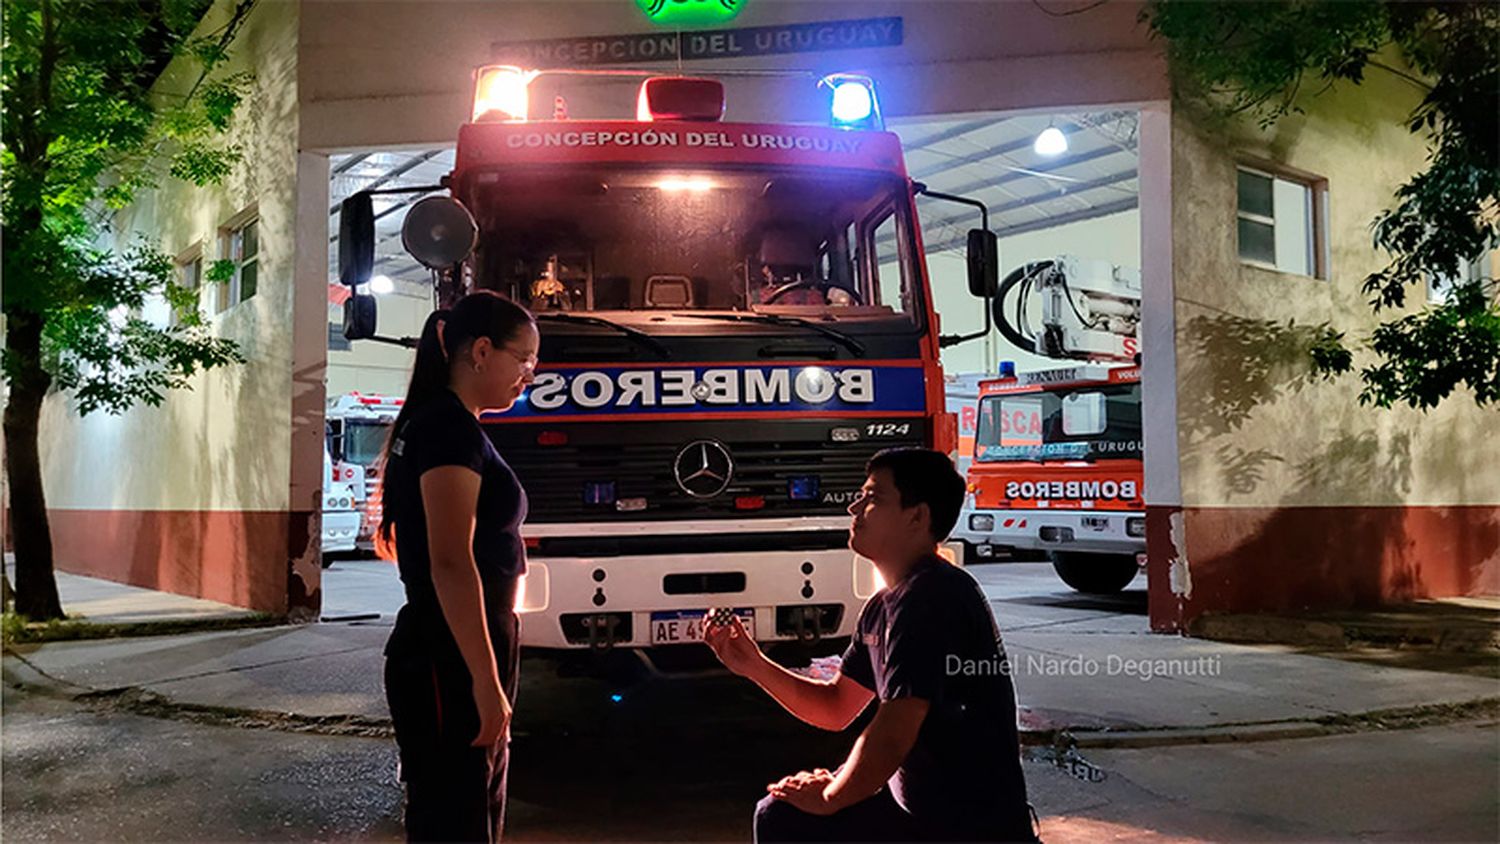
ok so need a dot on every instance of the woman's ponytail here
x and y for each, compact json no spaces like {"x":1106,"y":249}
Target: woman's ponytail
{"x":429,"y":378}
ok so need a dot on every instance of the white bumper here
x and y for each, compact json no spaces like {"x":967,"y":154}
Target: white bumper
{"x":1086,"y":531}
{"x":340,"y":530}
{"x":559,"y":590}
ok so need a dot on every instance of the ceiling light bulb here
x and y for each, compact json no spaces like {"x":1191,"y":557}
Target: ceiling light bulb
{"x":1051,"y":142}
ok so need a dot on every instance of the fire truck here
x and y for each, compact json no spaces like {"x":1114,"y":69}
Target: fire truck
{"x":357,"y":426}
{"x":1057,"y":466}
{"x":735,"y":317}
{"x":340,"y":513}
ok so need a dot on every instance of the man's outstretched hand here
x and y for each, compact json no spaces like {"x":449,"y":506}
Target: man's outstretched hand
{"x":732,"y":644}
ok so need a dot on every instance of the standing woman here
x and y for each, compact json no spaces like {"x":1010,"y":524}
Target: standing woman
{"x":453,"y":510}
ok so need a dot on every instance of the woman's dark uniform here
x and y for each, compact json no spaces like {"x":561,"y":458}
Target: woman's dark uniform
{"x":455,"y":792}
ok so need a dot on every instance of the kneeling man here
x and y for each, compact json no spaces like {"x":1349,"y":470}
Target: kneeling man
{"x":940,"y":761}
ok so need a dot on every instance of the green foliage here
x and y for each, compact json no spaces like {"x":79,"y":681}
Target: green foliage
{"x":110,"y":357}
{"x":220,"y":271}
{"x":1253,"y":59}
{"x":1424,"y":356}
{"x":203,"y":164}
{"x":85,"y":129}
{"x":222,"y":96}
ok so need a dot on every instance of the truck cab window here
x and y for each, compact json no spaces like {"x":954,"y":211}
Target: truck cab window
{"x":888,"y":264}
{"x":1060,"y":424}
{"x":636,"y":239}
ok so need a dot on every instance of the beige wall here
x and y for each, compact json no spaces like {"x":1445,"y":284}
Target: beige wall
{"x":1255,"y":430}
{"x":222,"y":445}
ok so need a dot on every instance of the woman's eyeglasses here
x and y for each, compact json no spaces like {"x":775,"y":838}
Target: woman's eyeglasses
{"x":528,"y":361}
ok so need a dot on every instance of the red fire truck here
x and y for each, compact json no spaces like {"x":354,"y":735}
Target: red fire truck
{"x":1057,"y":467}
{"x":734,"y":318}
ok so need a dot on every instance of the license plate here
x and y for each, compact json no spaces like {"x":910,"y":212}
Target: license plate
{"x":675,"y":627}
{"x":1095,"y":522}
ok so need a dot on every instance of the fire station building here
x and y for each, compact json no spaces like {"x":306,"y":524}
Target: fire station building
{"x":1267,"y":489}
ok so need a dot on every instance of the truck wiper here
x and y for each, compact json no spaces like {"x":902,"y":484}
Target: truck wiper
{"x":635,"y":334}
{"x":852,"y":344}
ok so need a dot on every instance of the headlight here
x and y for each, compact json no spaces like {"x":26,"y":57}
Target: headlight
{"x":534,"y":589}
{"x":1135,"y":527}
{"x":979,"y":521}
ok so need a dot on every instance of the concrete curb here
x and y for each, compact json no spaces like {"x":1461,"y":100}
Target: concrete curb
{"x":1246,"y":733}
{"x":81,"y":629}
{"x":20,"y":675}
{"x":1380,"y":720}
{"x":1465,"y":635}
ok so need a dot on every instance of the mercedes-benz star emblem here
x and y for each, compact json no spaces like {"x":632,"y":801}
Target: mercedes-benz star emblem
{"x":703,"y":468}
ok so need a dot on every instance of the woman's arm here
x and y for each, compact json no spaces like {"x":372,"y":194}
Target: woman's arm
{"x":450,"y":497}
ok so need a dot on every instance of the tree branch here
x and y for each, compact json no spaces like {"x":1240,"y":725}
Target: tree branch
{"x":230,"y":30}
{"x":34,"y":149}
{"x":1404,"y":75}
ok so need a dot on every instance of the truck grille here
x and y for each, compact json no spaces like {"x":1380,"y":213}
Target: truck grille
{"x":638,"y":459}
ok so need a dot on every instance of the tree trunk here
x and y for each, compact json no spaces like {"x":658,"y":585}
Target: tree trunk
{"x":36,"y":585}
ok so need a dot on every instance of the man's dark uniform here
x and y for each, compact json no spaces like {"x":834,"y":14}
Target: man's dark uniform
{"x":931,"y":636}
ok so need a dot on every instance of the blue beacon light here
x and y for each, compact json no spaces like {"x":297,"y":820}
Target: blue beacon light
{"x":852,"y":102}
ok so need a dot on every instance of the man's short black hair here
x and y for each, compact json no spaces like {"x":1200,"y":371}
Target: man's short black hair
{"x":924,"y":476}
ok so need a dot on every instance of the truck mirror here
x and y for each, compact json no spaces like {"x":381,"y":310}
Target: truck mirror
{"x":357,"y":241}
{"x":359,"y":317}
{"x":984,"y":263}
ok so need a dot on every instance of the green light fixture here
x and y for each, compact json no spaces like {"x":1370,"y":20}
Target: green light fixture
{"x":690,"y":12}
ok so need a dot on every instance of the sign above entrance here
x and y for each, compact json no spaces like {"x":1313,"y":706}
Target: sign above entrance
{"x":817,"y":36}
{"x":690,"y":12}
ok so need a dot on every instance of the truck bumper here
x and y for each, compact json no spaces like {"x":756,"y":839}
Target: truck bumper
{"x":600,"y":603}
{"x":993,"y":533}
{"x":340,"y":529}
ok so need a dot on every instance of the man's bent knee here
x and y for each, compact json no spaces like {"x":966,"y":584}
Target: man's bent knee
{"x":778,"y":820}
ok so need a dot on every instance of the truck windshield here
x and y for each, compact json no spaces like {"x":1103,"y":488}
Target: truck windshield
{"x":364,"y":441}
{"x":815,"y":244}
{"x":1084,"y":423}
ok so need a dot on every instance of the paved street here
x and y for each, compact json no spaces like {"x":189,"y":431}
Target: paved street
{"x":75,"y":773}
{"x":686,"y":759}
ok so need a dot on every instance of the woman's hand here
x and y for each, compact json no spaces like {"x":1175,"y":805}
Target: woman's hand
{"x":494,"y":711}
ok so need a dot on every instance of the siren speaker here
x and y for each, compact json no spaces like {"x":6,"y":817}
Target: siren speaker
{"x":439,"y":231}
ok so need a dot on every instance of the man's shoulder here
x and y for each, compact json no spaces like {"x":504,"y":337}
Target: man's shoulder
{"x":940,"y":591}
{"x":937,"y":579}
